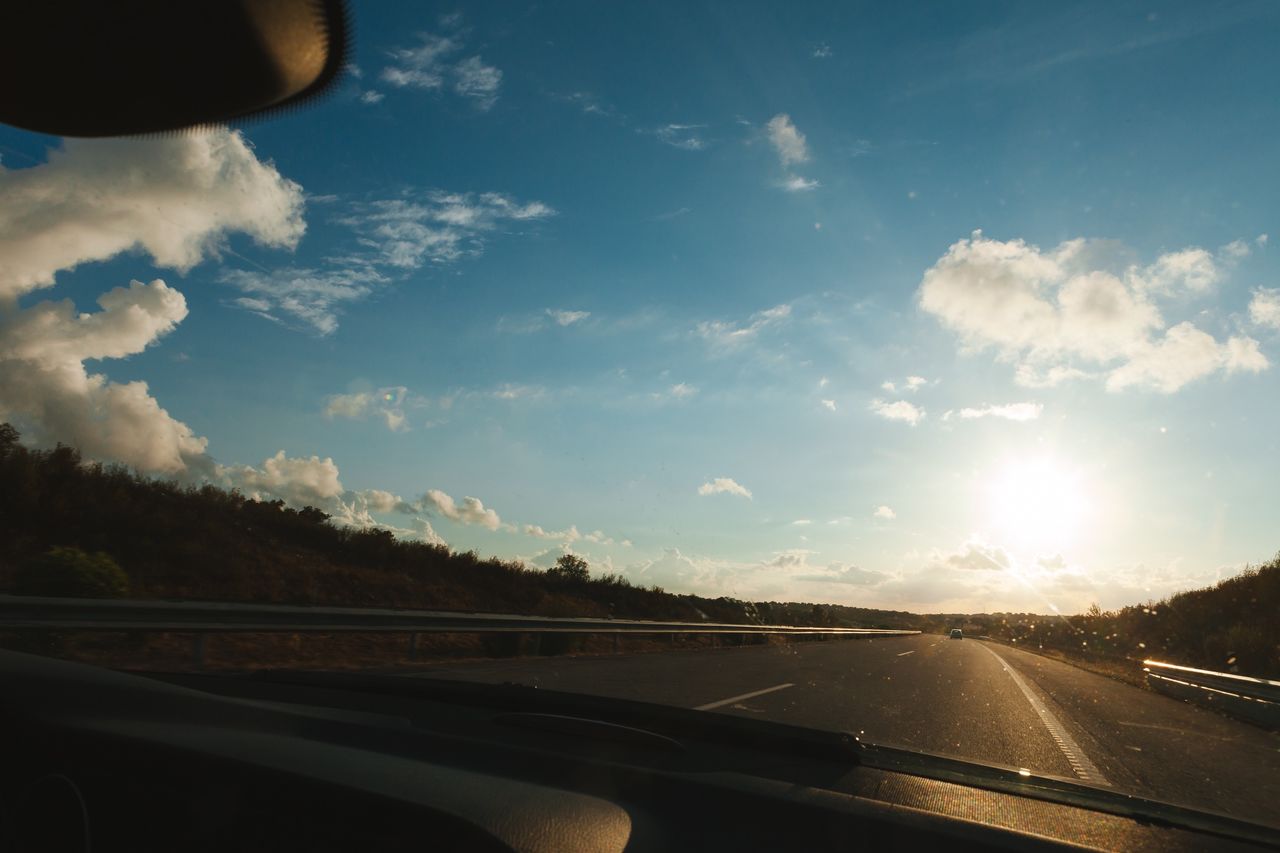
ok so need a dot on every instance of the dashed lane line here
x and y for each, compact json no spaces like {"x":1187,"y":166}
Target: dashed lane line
{"x":1080,"y":763}
{"x":711,"y":706}
{"x":902,"y":654}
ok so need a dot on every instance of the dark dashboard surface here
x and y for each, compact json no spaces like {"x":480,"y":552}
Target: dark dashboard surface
{"x":114,"y":761}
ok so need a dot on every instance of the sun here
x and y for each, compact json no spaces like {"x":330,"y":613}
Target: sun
{"x":1038,"y":504}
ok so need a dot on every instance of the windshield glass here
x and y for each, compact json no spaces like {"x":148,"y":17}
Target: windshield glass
{"x":953,"y":323}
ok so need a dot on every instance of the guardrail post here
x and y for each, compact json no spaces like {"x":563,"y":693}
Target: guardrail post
{"x":413,"y":645}
{"x":535,"y":644}
{"x":617,"y":642}
{"x":197,"y":650}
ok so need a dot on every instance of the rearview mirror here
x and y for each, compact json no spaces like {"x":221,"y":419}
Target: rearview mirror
{"x":95,"y":68}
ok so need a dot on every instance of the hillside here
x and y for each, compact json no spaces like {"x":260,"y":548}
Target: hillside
{"x":210,"y":544}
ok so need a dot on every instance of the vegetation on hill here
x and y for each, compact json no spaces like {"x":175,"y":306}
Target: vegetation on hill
{"x":1233,"y":626}
{"x":74,"y":528}
{"x":206,"y":543}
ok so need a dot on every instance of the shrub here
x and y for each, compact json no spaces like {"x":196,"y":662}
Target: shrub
{"x":72,"y":573}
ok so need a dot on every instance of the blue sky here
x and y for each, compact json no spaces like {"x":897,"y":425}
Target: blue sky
{"x":926,"y":307}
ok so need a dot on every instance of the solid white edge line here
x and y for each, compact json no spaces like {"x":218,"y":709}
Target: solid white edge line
{"x":1080,"y":763}
{"x":710,"y":706}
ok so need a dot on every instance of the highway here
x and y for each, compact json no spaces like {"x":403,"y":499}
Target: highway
{"x":965,"y":698}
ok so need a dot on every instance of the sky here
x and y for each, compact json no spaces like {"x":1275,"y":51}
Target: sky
{"x":928,"y":307}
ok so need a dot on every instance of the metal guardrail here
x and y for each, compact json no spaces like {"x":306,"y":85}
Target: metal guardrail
{"x":1256,"y":699}
{"x":27,"y":613}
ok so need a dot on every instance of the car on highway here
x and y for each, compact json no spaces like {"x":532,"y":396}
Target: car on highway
{"x":570,"y":426}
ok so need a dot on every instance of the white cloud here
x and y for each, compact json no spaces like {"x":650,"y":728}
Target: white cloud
{"x":821,"y":50}
{"x":799,"y":184}
{"x":915,"y":383}
{"x":420,"y":67}
{"x":682,"y":136}
{"x":428,"y":66}
{"x":473,"y":79}
{"x":728,"y":335}
{"x":888,"y":385}
{"x":470,"y":511}
{"x":787,"y":140}
{"x":371,"y":96}
{"x":1264,"y":307}
{"x":1047,"y":312}
{"x":565,"y":537}
{"x":437,"y":227}
{"x":174,"y":197}
{"x":385,"y":403}
{"x":724,"y":486}
{"x":567,"y":318}
{"x":393,"y":237}
{"x":298,"y":481}
{"x":842,"y":573}
{"x":974,"y":555}
{"x":884,"y":513}
{"x":829,"y":405}
{"x":311,"y":297}
{"x":1261,"y":241}
{"x":802,"y":522}
{"x":682,"y":390}
{"x":1184,"y":355}
{"x":1009,"y":411}
{"x":900,"y":410}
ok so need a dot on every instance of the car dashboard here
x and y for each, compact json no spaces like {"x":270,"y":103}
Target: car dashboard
{"x":106,"y":760}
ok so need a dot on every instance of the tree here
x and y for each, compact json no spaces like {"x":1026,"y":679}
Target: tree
{"x":72,"y":572}
{"x":570,"y":567}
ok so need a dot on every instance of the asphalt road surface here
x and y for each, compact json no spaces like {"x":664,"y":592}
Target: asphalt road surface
{"x":965,"y":698}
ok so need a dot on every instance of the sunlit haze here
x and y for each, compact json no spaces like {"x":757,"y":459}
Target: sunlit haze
{"x":962,"y":309}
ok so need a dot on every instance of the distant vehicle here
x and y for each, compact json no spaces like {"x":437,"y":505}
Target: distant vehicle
{"x":957,"y":634}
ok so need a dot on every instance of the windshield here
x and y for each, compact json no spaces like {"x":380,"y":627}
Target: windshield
{"x":953,"y":323}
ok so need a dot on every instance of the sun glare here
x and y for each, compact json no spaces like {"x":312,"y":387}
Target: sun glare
{"x":1037,"y":504}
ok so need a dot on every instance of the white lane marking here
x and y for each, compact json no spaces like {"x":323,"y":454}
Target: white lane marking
{"x":912,"y":652}
{"x":1080,"y":763}
{"x":710,"y":706}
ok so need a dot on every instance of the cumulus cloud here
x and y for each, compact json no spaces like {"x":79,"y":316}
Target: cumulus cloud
{"x":915,"y":383}
{"x":388,"y":404}
{"x":1050,"y":311}
{"x":787,"y":140}
{"x":829,"y":405}
{"x":174,"y":198}
{"x":470,"y":511}
{"x":429,"y":66}
{"x":1264,"y":307}
{"x":724,"y":486}
{"x":1009,"y":411}
{"x":727,"y":335}
{"x":899,"y":410}
{"x":885,"y":513}
{"x":177,"y":198}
